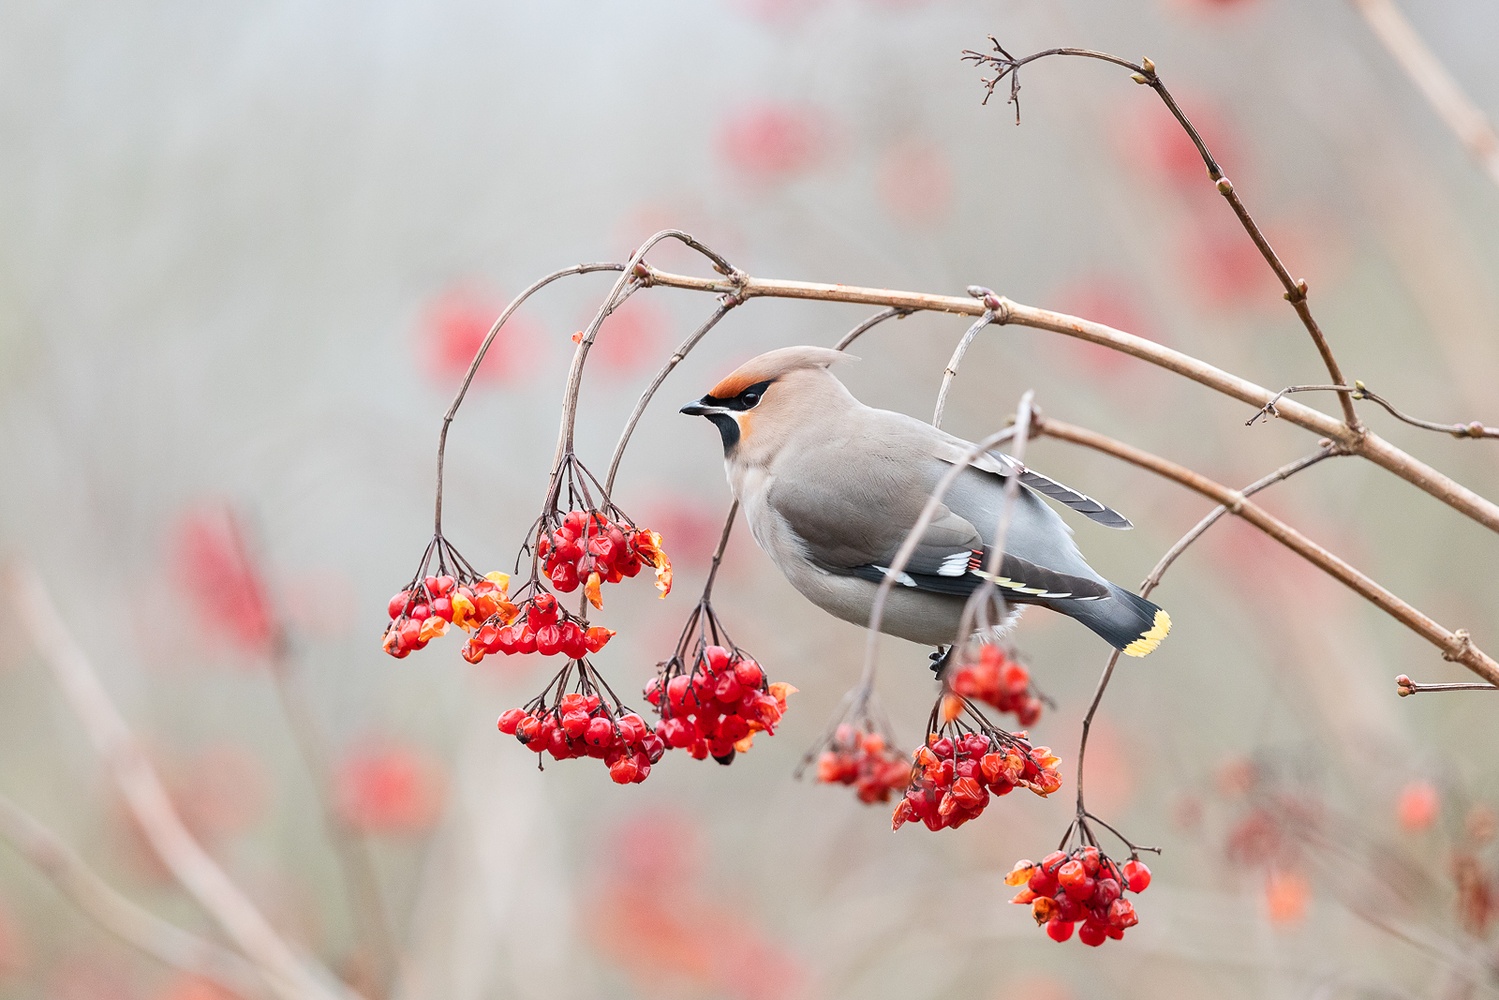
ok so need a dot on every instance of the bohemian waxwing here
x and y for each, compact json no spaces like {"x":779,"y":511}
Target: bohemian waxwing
{"x":830,"y":488}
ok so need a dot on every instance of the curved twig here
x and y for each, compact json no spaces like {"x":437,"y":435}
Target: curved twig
{"x":951,"y":371}
{"x":869,"y":324}
{"x":728,"y":302}
{"x":1472,"y":429}
{"x":1144,"y":73}
{"x":908,"y":548}
{"x":636,"y":275}
{"x":473,"y":368}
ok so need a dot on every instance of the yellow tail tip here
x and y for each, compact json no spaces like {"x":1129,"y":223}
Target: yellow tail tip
{"x":1149,"y":640}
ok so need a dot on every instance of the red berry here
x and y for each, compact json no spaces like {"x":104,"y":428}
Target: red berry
{"x":600,"y":732}
{"x":1136,"y":875}
{"x":510,"y":719}
{"x":1059,"y":930}
{"x":1092,"y":934}
{"x":749,"y":673}
{"x":398,"y":603}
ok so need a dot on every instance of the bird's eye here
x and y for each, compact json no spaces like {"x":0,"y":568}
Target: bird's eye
{"x":750,"y":398}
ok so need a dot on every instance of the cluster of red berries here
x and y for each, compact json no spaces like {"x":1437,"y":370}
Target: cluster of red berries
{"x":1084,"y":885}
{"x":425,"y":609}
{"x":999,"y":680}
{"x":954,"y":776}
{"x":582,"y":724}
{"x":538,"y":625}
{"x":864,"y":759}
{"x":590,"y":548}
{"x":715,"y":708}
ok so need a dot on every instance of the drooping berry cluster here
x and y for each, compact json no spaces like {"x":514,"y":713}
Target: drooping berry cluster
{"x":591,"y":548}
{"x":426,"y":606}
{"x":587,"y":721}
{"x":711,"y":695}
{"x":537,"y":625}
{"x":1084,"y":886}
{"x":997,"y":679}
{"x":715,"y":707}
{"x":965,"y":762}
{"x":863,"y":758}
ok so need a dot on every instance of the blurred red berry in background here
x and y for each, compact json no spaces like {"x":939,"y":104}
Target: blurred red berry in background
{"x":770,"y":143}
{"x":1105,"y":299}
{"x":915,"y":183}
{"x":213,"y":565}
{"x":15,"y":955}
{"x":1418,"y":806}
{"x":189,"y":987}
{"x":633,"y":337}
{"x":389,"y":788}
{"x":454,"y":325}
{"x":1158,"y":145}
{"x":1287,"y":896}
{"x":691,"y":529}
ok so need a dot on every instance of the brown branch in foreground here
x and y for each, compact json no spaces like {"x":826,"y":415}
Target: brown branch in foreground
{"x":1455,"y":645}
{"x":1145,"y":74}
{"x":137,"y":927}
{"x":1472,"y":429}
{"x":1441,"y":90}
{"x":1355,"y":441}
{"x":290,"y":976}
{"x":1154,"y":579}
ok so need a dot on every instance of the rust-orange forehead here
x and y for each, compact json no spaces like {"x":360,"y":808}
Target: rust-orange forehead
{"x":773,"y":365}
{"x":736,"y":383}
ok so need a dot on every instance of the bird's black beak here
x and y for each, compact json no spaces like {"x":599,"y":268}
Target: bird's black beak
{"x":704,"y":407}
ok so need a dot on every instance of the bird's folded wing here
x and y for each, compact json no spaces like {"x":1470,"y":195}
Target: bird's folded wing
{"x":952,"y":452}
{"x":1018,"y":579}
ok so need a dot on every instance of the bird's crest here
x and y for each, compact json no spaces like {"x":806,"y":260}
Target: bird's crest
{"x":773,"y":365}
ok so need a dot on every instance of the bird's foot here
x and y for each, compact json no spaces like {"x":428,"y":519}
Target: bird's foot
{"x":940,"y":657}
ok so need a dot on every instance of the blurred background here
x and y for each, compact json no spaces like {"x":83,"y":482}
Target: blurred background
{"x":246,"y":252}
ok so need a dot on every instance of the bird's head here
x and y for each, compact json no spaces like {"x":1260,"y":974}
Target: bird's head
{"x":766,"y":400}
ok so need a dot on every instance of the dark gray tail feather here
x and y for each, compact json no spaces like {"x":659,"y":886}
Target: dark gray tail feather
{"x":1126,"y":621}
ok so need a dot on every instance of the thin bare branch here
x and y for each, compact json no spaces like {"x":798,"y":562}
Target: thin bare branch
{"x":949,"y":373}
{"x":1472,"y":429}
{"x":908,"y":548}
{"x":1441,"y":90}
{"x":1455,"y":645}
{"x":137,"y":927}
{"x":290,"y":976}
{"x":636,"y":275}
{"x":1281,"y":474}
{"x":473,"y":368}
{"x":1144,"y":73}
{"x":726,"y":303}
{"x":869,"y":324}
{"x":1360,"y":442}
{"x":1406,"y":687}
{"x":976,"y":608}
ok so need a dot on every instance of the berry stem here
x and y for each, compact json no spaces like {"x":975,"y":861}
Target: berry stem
{"x":473,"y":368}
